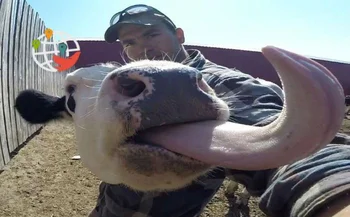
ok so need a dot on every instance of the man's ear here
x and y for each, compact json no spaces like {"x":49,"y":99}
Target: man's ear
{"x":180,"y":35}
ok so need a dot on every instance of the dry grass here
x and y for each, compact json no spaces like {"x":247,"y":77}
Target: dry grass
{"x":43,"y":181}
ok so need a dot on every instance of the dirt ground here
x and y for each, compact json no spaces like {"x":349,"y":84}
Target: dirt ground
{"x":43,"y":181}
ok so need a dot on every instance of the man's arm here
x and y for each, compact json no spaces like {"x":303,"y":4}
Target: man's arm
{"x":252,"y":101}
{"x":338,"y":208}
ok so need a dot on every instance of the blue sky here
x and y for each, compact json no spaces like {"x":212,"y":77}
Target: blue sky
{"x":315,"y":28}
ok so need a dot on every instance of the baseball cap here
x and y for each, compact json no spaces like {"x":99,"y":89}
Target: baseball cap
{"x":136,"y":14}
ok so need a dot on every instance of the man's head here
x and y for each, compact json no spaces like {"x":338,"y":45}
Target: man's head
{"x":146,"y":33}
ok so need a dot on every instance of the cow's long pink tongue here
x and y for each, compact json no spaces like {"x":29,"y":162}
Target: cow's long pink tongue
{"x":312,"y":114}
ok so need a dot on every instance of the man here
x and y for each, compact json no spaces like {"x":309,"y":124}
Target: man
{"x":315,"y":186}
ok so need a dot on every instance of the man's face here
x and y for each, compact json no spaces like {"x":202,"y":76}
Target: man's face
{"x":150,"y":42}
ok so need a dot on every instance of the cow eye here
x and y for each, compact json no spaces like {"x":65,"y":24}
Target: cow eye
{"x":70,"y":89}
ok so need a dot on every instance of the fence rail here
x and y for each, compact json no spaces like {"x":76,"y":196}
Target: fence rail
{"x":19,"y":26}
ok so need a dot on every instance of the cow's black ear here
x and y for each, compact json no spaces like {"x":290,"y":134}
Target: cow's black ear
{"x":37,"y":107}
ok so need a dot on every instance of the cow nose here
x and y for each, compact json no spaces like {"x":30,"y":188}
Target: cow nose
{"x":162,"y":94}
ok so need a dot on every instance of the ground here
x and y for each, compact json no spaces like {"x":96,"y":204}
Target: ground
{"x":43,"y":181}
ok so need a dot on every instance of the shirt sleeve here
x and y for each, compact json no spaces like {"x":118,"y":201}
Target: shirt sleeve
{"x":305,"y":186}
{"x":252,"y":101}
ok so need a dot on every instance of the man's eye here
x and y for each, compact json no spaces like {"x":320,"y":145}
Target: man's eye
{"x":153,"y":35}
{"x":127,"y":44}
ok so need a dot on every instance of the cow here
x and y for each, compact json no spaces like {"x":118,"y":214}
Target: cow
{"x":120,"y":111}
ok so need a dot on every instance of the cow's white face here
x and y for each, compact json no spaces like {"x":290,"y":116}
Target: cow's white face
{"x":107,"y":112}
{"x":139,"y":124}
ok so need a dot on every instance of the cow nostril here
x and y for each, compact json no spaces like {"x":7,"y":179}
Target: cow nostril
{"x":129,"y":87}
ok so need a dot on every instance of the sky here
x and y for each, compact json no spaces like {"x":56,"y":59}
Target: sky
{"x":314,"y":28}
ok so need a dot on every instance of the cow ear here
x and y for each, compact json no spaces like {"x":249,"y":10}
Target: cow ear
{"x":37,"y":107}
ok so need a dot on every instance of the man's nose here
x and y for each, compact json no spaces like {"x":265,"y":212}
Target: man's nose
{"x":147,"y":52}
{"x":145,"y":49}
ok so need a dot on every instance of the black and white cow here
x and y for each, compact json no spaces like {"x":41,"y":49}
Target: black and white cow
{"x":149,"y":124}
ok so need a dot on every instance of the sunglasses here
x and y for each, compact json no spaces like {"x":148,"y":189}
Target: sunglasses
{"x":137,"y":9}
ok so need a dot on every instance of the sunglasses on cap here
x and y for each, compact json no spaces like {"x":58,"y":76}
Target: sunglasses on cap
{"x":138,"y":9}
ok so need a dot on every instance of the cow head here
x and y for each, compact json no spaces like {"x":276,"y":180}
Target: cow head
{"x":112,"y":106}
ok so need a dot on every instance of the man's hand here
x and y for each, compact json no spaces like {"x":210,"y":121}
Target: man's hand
{"x":340,"y":207}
